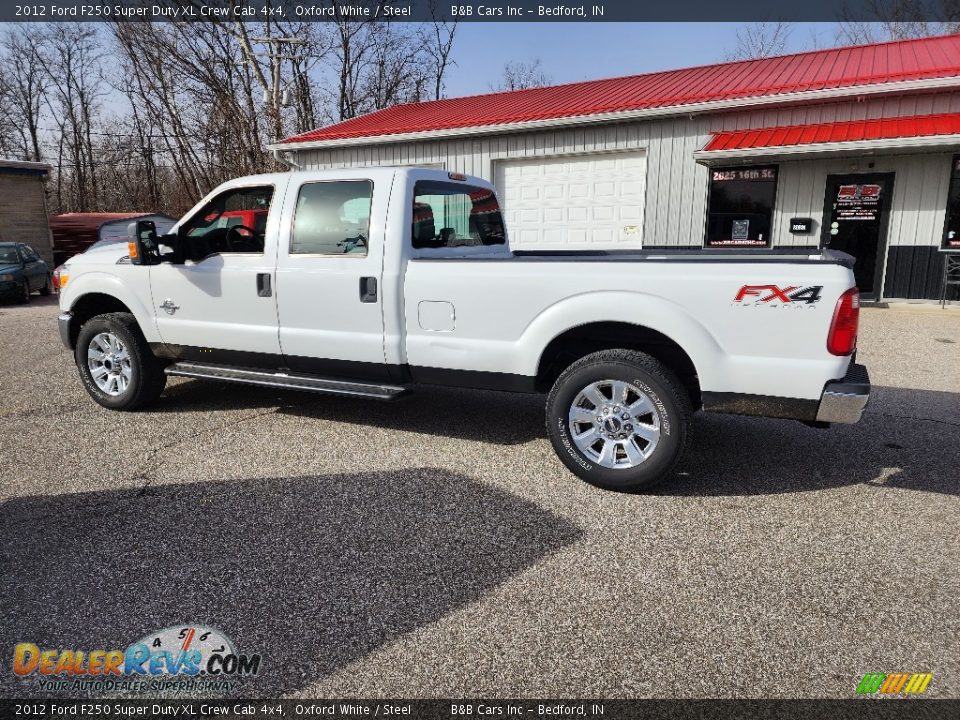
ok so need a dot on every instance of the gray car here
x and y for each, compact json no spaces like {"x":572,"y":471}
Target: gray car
{"x":22,"y":271}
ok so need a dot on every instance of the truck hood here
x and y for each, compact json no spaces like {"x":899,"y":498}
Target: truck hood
{"x":104,"y":255}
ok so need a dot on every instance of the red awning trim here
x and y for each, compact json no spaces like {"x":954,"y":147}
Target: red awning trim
{"x":840,"y":132}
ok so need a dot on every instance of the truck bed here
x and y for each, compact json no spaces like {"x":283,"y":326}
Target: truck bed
{"x":694,"y":255}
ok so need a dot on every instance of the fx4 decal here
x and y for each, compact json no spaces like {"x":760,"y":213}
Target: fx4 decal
{"x":762,"y":294}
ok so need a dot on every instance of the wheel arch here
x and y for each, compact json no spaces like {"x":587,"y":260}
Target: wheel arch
{"x":96,"y":292}
{"x":91,"y":304}
{"x":582,"y":340}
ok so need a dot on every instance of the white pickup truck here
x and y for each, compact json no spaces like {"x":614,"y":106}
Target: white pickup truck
{"x":367,"y":282}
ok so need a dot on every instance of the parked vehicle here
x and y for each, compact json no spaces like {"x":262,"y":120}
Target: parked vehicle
{"x":22,"y":272}
{"x":74,"y":233}
{"x":626,"y":345}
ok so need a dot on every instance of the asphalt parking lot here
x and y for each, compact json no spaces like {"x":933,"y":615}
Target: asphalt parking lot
{"x":436,"y":547}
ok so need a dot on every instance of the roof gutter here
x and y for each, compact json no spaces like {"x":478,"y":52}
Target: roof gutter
{"x":284,"y":158}
{"x":926,"y":142}
{"x":24,"y":165}
{"x":900,"y":86}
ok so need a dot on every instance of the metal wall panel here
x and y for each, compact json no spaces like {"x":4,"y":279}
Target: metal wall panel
{"x":676,"y":194}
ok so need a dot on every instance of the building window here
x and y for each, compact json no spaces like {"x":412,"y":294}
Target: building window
{"x":740,"y":206}
{"x":951,"y":231}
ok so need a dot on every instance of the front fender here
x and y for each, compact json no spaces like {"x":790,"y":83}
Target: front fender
{"x":102,"y":283}
{"x":650,"y":311}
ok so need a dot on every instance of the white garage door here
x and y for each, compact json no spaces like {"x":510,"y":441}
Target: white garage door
{"x":582,"y":201}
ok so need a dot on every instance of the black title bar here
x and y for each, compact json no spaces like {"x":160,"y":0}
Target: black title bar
{"x":864,"y":709}
{"x":485,"y":11}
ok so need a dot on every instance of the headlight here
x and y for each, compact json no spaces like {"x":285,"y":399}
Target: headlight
{"x":60,"y":277}
{"x":7,"y":278}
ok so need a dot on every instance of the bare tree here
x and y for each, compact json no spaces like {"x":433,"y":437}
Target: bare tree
{"x":134,"y":124}
{"x":760,"y":40}
{"x":440,"y":47}
{"x":352,"y":48}
{"x":70,"y":56}
{"x":399,"y":70}
{"x":378,"y":64}
{"x":303,"y":96}
{"x":23,"y":92}
{"x":522,"y":75}
{"x":193,"y":79}
{"x":899,"y":20}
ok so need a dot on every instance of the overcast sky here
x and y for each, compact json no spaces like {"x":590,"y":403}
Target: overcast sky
{"x":586,"y":51}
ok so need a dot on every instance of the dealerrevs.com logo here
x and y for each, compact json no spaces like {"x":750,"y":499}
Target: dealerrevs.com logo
{"x":181,"y":657}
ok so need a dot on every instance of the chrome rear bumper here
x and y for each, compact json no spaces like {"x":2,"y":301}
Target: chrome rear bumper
{"x":843,"y":401}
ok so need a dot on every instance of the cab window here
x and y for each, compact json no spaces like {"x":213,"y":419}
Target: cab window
{"x":332,"y":218}
{"x":448,"y":215}
{"x":235,"y":221}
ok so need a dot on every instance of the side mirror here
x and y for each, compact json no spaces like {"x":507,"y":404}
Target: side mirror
{"x":142,"y":242}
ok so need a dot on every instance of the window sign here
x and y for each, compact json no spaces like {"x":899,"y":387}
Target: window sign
{"x":740,"y":207}
{"x":859,"y":202}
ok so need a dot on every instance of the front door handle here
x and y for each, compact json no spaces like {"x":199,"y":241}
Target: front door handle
{"x":264,"y":288}
{"x":368,"y":289}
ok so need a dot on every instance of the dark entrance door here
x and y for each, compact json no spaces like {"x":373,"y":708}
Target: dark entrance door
{"x":855,"y":214}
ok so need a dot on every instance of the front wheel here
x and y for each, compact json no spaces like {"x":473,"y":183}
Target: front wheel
{"x":47,"y":288}
{"x":619,"y":419}
{"x":25,"y":292}
{"x":116,"y":365}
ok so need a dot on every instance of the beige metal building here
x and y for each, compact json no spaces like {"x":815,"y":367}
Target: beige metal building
{"x":23,"y":206}
{"x":853,"y":148}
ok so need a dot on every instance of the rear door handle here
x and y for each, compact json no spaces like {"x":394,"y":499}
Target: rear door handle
{"x":368,"y":289}
{"x":264,"y":288}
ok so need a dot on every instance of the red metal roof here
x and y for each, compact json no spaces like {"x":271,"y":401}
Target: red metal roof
{"x":839,"y":68}
{"x":850,"y":131}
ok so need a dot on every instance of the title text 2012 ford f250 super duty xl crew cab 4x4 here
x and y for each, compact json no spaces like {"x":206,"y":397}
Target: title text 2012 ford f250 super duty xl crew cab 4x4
{"x":366,"y":282}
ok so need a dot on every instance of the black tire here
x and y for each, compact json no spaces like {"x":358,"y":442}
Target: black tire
{"x":47,"y":288}
{"x":25,"y":292}
{"x":147,"y":378}
{"x":666,"y":394}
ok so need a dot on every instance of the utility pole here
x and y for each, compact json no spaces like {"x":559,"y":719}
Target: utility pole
{"x":278,"y":50}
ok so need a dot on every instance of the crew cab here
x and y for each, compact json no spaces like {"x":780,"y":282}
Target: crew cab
{"x":366,"y":283}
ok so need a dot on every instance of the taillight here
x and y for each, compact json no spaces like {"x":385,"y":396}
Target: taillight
{"x":60,"y":277}
{"x":842,"y":339}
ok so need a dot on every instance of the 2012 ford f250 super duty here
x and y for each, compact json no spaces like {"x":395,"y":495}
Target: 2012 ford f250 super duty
{"x":366,"y":282}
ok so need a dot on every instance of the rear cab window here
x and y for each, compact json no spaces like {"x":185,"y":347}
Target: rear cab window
{"x":455,"y":215}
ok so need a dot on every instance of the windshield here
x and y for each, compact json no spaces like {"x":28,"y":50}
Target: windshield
{"x":9,"y":256}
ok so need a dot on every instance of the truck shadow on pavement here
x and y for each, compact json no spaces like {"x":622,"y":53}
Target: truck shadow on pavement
{"x":485,"y":416}
{"x":907,"y":439}
{"x":310,"y":572}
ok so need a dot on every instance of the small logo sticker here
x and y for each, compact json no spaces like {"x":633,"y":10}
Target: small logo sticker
{"x":894,"y":683}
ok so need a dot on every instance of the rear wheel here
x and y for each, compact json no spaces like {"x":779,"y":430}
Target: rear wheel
{"x":116,"y":365}
{"x":619,"y":419}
